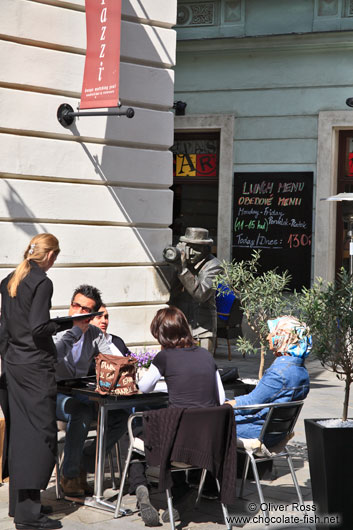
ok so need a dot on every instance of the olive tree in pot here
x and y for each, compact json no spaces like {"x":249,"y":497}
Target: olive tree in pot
{"x":262,"y":297}
{"x":327,"y":308}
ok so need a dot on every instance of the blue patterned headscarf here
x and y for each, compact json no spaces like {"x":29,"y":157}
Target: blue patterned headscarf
{"x":288,"y":335}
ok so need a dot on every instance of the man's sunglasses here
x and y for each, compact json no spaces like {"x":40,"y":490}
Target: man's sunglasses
{"x":84,"y":308}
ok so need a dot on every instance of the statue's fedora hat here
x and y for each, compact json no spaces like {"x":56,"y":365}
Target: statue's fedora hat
{"x":196,"y":236}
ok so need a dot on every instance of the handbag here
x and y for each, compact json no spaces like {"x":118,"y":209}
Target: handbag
{"x":115,"y":375}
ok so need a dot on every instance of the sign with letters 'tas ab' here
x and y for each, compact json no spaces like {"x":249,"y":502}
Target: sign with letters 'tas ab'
{"x":101,"y":76}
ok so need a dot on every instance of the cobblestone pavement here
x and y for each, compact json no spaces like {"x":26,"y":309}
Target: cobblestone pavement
{"x":324,"y":400}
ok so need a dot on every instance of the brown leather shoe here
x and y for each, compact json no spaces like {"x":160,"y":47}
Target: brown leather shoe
{"x":84,"y":484}
{"x":72,"y":486}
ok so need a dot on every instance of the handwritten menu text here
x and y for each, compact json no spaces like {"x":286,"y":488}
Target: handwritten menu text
{"x":273,"y":212}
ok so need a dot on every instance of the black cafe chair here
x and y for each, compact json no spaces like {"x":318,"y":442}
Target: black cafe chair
{"x":137,"y":445}
{"x":280,"y":420}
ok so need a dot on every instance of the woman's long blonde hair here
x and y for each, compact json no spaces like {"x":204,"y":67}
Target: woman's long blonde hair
{"x":37,"y":251}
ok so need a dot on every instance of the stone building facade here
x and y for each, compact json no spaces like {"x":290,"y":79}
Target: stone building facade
{"x":102,"y":185}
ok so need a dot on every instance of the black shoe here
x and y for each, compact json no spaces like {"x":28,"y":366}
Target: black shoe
{"x":149,"y":514}
{"x":44,"y":523}
{"x":166,"y":518}
{"x":45,"y":509}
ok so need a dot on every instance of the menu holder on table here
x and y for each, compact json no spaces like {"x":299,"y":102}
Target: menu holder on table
{"x":79,"y":316}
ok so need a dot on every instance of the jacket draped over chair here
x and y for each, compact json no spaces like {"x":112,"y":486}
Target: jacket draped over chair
{"x":201,"y":437}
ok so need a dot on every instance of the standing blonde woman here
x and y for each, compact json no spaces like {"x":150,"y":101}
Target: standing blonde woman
{"x":28,"y":353}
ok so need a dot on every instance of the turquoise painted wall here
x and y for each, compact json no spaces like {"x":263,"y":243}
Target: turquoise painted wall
{"x":286,"y":61}
{"x":275,"y":81}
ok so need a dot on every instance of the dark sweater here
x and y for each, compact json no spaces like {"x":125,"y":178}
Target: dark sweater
{"x":201,"y":437}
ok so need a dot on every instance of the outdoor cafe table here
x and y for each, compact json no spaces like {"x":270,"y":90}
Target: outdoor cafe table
{"x":108,"y":402}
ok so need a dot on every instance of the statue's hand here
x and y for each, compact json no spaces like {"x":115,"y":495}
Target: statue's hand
{"x":182,"y":260}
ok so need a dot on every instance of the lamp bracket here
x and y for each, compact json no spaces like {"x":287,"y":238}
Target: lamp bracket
{"x":66,"y":114}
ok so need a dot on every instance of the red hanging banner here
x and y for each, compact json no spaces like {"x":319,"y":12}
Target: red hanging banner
{"x":100,"y":86}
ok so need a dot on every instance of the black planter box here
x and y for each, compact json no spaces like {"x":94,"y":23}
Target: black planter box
{"x":330,"y":452}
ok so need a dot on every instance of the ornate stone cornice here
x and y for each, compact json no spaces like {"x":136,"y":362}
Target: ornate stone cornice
{"x":270,"y":43}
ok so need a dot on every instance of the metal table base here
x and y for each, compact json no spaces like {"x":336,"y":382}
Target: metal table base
{"x":99,"y":503}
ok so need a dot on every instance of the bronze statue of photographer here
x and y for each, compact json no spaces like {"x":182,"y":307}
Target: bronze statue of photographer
{"x":192,"y":288}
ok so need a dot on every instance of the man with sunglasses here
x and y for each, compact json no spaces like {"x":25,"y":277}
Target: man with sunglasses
{"x":76,"y":350}
{"x":78,"y":346}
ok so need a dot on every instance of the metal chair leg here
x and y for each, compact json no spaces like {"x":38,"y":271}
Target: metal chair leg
{"x":294,"y":476}
{"x":58,"y":490}
{"x":229,"y":350}
{"x":200,"y":488}
{"x":224,"y":508}
{"x":58,"y":464}
{"x":118,"y":458}
{"x":122,"y":482}
{"x":259,"y":488}
{"x":170,"y":508}
{"x":111,"y":467}
{"x":245,"y":474}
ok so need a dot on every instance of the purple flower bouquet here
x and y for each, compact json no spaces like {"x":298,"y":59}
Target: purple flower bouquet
{"x":144,"y":358}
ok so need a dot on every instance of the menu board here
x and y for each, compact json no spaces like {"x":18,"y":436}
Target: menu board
{"x":273,"y":213}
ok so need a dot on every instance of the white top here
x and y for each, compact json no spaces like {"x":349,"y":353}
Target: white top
{"x":114,"y":350}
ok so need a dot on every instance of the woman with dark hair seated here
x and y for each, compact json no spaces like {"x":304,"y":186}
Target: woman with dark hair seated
{"x":192,"y":380}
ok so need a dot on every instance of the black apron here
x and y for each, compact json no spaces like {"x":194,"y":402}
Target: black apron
{"x":33,"y":432}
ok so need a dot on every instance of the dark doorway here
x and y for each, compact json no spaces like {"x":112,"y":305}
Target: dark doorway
{"x":344,"y":208}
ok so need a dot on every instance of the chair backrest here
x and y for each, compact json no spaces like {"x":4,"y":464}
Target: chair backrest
{"x":202,"y":437}
{"x":224,"y":302}
{"x":281,"y":418}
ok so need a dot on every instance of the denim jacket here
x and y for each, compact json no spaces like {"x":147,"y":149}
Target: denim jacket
{"x":287,"y":379}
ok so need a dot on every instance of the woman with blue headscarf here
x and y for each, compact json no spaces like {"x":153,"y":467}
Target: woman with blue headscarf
{"x":287,"y":379}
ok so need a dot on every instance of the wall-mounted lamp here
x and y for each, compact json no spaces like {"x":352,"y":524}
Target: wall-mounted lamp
{"x":349,"y":102}
{"x":179,"y":107}
{"x":66,"y":115}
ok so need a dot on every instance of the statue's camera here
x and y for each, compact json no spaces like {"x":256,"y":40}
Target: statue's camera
{"x":173,"y":254}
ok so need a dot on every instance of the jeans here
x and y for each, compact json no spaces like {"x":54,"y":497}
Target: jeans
{"x":79,"y":413}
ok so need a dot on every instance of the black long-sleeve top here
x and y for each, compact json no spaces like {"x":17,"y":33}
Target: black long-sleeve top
{"x":26,"y":331}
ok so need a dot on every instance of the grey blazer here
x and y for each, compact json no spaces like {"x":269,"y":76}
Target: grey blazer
{"x":93,"y":343}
